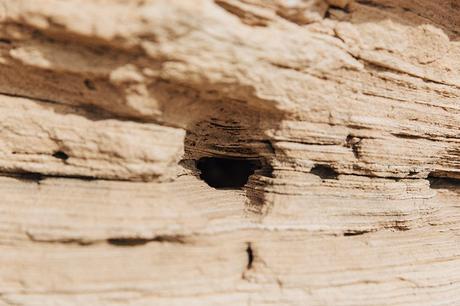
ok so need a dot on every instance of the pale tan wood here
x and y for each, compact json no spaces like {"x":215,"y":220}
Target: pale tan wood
{"x":349,"y":109}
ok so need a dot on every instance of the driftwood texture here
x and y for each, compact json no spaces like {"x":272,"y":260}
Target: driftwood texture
{"x":230,"y":152}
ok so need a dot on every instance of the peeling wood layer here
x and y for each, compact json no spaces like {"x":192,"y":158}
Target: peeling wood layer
{"x":239,"y":152}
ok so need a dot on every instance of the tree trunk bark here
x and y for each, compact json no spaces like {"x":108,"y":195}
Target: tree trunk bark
{"x":230,"y":152}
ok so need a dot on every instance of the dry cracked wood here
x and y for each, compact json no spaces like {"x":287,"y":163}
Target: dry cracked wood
{"x":242,"y":152}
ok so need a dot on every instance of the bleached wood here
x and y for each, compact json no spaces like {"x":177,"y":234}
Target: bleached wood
{"x":350,"y":108}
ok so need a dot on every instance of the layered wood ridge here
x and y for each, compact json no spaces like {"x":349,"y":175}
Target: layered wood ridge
{"x":347,"y":112}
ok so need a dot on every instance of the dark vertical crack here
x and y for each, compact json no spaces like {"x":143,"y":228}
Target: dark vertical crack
{"x":250,"y":254}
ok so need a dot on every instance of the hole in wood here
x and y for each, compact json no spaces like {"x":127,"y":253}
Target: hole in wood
{"x":221,"y":172}
{"x":440,"y":181}
{"x":61,"y":155}
{"x":325,"y":172}
{"x":5,"y":41}
{"x":89,"y":84}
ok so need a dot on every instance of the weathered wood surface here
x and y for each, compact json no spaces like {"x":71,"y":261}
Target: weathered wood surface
{"x":350,"y":110}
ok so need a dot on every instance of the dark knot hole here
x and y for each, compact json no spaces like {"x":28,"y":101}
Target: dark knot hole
{"x":221,"y":172}
{"x":61,"y":155}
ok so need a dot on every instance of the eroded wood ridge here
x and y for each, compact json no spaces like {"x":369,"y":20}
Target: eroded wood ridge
{"x":240,"y":152}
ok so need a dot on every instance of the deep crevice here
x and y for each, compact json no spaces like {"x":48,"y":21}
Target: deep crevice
{"x":220,"y":172}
